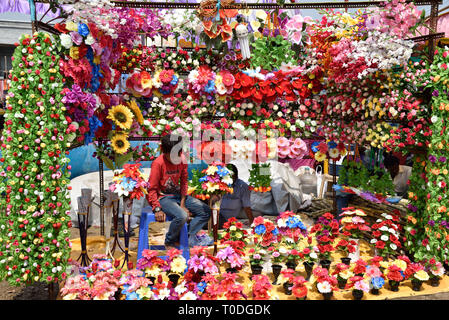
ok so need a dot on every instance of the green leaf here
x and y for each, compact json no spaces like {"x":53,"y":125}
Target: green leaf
{"x":108,"y":162}
{"x":121,"y":160}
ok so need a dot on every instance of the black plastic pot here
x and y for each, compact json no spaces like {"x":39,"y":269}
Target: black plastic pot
{"x":174,"y":279}
{"x":435,"y":281}
{"x":374,"y":291}
{"x":394,"y":285}
{"x":291,"y":265}
{"x":287,"y":288}
{"x":256,"y":269}
{"x":325,"y":264}
{"x":152,"y":279}
{"x":231,"y":270}
{"x":327,"y":296}
{"x":357,"y":294}
{"x":342,"y":283}
{"x":308,"y":266}
{"x":416,"y":285}
{"x":346,"y":261}
{"x":276,"y":272}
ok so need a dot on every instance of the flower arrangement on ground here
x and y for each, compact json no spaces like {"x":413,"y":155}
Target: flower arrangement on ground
{"x":386,"y":236}
{"x":233,"y":230}
{"x":176,"y":263}
{"x":352,"y":224}
{"x":359,"y":285}
{"x":265,"y":232}
{"x":375,"y":277}
{"x":299,"y":288}
{"x":261,"y":288}
{"x":325,"y":283}
{"x":151,"y":264}
{"x":435,"y":270}
{"x":326,"y":230}
{"x":231,"y":255}
{"x":201,"y":261}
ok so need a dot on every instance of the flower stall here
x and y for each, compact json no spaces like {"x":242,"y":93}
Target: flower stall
{"x":258,"y":83}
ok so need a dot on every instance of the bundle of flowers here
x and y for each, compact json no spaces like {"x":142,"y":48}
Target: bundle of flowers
{"x":130,"y":182}
{"x":229,"y":288}
{"x":359,"y":267}
{"x":34,"y":171}
{"x":201,"y":261}
{"x":175,"y":59}
{"x":233,"y":231}
{"x":231,"y":256}
{"x":435,"y":268}
{"x":165,"y":82}
{"x":375,"y":276}
{"x":140,"y":84}
{"x":299,"y":288}
{"x":217,"y":179}
{"x":416,"y":272}
{"x":176,"y":263}
{"x":291,"y":227}
{"x":265,"y":232}
{"x":242,"y":149}
{"x":256,"y":256}
{"x":182,"y":22}
{"x":352,"y":224}
{"x":261,"y":287}
{"x":342,"y":272}
{"x":286,"y":276}
{"x":201,"y":82}
{"x":139,"y":57}
{"x":289,"y":148}
{"x":330,"y":150}
{"x":151,"y":263}
{"x":309,"y":253}
{"x":358,"y":283}
{"x":346,"y":246}
{"x":325,"y":283}
{"x":386,"y":235}
{"x":325,"y":230}
{"x":135,"y":286}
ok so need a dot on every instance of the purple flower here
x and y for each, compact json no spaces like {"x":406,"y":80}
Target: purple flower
{"x":431,"y":223}
{"x":432,"y":158}
{"x":442,"y":159}
{"x":76,"y":38}
{"x":435,"y":93}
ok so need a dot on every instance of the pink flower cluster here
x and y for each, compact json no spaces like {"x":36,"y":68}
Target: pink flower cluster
{"x":291,"y":148}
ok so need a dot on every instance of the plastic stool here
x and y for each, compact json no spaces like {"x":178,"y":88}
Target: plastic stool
{"x":146,"y":217}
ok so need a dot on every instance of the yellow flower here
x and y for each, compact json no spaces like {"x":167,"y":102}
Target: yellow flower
{"x":71,"y":26}
{"x":261,"y":14}
{"x":211,"y":187}
{"x":121,"y":116}
{"x":136,"y":110}
{"x":74,"y":52}
{"x":320,"y":157}
{"x":145,"y":292}
{"x":346,"y":274}
{"x":178,"y":265}
{"x":211,"y":170}
{"x":120,"y":143}
{"x":400,"y":264}
{"x":152,"y":272}
{"x":422,"y":275}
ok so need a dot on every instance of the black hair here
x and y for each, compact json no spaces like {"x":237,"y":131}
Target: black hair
{"x":233,"y":168}
{"x":390,"y":161}
{"x":169,"y":141}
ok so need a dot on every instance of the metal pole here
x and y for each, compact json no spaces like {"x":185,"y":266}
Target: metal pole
{"x":100,"y":165}
{"x":33,"y":15}
{"x":433,"y":26}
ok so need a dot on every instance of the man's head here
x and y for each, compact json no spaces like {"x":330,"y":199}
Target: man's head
{"x":235,"y":172}
{"x":171,"y":147}
{"x":391,"y":163}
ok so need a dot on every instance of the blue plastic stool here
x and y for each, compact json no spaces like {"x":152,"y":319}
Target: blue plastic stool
{"x":145,"y":219}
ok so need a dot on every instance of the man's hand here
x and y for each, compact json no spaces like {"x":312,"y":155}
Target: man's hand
{"x":160,"y":216}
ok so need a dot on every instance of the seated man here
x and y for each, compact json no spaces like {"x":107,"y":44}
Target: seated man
{"x":233,"y":203}
{"x":167,"y":194}
{"x":400,"y":174}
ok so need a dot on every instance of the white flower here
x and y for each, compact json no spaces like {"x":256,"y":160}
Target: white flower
{"x":66,"y":41}
{"x":373,"y":241}
{"x":189,"y":296}
{"x":89,"y":40}
{"x":313,"y":255}
{"x":324,"y":287}
{"x":393,"y":246}
{"x":384,"y":238}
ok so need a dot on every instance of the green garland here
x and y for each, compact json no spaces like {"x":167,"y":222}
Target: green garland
{"x":270,"y":52}
{"x":34,"y":216}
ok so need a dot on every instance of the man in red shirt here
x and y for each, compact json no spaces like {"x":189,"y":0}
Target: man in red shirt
{"x":167,"y":194}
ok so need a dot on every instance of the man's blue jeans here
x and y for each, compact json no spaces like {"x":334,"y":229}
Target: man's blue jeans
{"x":200,"y":211}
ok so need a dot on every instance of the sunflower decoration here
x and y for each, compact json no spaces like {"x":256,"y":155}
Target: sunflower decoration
{"x":120,"y":143}
{"x":121,"y":116}
{"x":136,"y":110}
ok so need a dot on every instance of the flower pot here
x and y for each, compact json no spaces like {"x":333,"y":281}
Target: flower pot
{"x":374,"y":291}
{"x":303,"y":298}
{"x":276,"y":272}
{"x":357,"y":294}
{"x":231,"y":270}
{"x":356,"y":255}
{"x":308,"y":266}
{"x":327,"y":295}
{"x":346,"y":261}
{"x":287,"y":288}
{"x":256,"y":269}
{"x":416,"y":284}
{"x":174,"y":279}
{"x":325,"y":264}
{"x":394,"y":285}
{"x":291,"y":265}
{"x":435,"y":282}
{"x":342,"y":283}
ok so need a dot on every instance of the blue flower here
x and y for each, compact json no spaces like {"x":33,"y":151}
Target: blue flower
{"x":203,"y":179}
{"x":314,"y":146}
{"x":94,"y":124}
{"x":174,"y":80}
{"x":202,"y":286}
{"x":222,"y":171}
{"x":331,"y":145}
{"x":293,"y":222}
{"x":260,"y":229}
{"x":83,"y":29}
{"x":377,"y":282}
{"x":302,"y":226}
{"x":132,"y":296}
{"x":210,"y":87}
{"x":275,"y":232}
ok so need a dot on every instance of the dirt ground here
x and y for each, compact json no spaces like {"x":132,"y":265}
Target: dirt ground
{"x":39,"y":291}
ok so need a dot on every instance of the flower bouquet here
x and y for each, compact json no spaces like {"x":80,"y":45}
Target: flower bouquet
{"x":286,"y":279}
{"x":135,"y":286}
{"x":310,"y":256}
{"x":233,"y":230}
{"x":176,"y":265}
{"x":386,"y":235}
{"x":201,"y":262}
{"x":325,"y":283}
{"x":277,"y":257}
{"x":376,"y":279}
{"x":352,"y":226}
{"x":293,"y":149}
{"x":265,"y":232}
{"x":343,"y":273}
{"x":346,"y":247}
{"x":140,"y":84}
{"x":291,"y":227}
{"x":256,"y":259}
{"x":359,"y":267}
{"x":325,"y":230}
{"x":165,"y":83}
{"x":331,"y":150}
{"x":360,"y":286}
{"x":435,"y":270}
{"x":130,"y":183}
{"x":299,"y":288}
{"x":231,"y":255}
{"x":395,"y":275}
{"x":261,"y":287}
{"x":417,"y":274}
{"x":151,"y":264}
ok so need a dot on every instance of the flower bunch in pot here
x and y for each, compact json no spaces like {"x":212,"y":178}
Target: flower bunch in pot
{"x":201,"y":262}
{"x":359,"y":285}
{"x":256,"y":259}
{"x":325,"y":283}
{"x":309,"y":256}
{"x":395,"y":275}
{"x":386,"y":237}
{"x":265,"y":233}
{"x":375,"y":278}
{"x":261,"y":287}
{"x":151,"y":264}
{"x":359,"y":267}
{"x":232,"y":256}
{"x":233,"y":231}
{"x":277,"y":257}
{"x":299,"y":289}
{"x":435,"y":270}
{"x":346,"y":247}
{"x":326,"y":230}
{"x":352,"y":225}
{"x":417,"y":274}
{"x":286,"y":280}
{"x":343,"y":273}
{"x":176,"y":265}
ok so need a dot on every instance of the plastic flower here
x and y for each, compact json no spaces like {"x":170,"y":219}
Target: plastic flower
{"x":121,"y":116}
{"x":421,"y":275}
{"x":120,"y":143}
{"x":324,"y":287}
